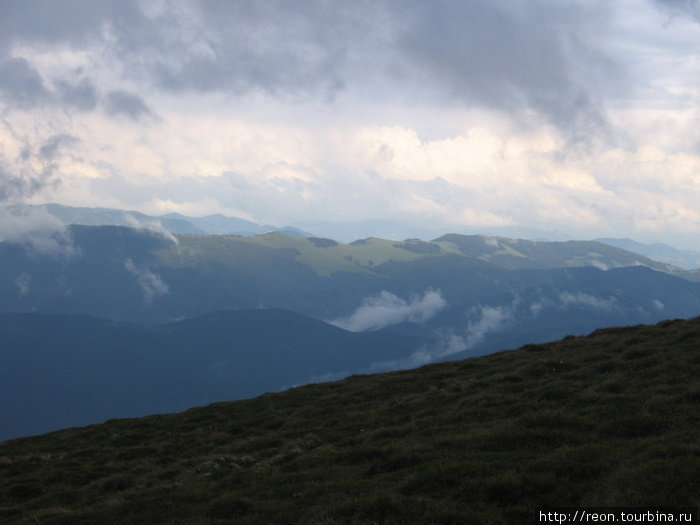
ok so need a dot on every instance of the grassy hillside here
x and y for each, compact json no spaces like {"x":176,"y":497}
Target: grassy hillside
{"x":606,"y":419}
{"x":520,"y":253}
{"x":326,"y":257}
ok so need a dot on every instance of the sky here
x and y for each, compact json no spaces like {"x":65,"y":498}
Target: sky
{"x":576,"y":117}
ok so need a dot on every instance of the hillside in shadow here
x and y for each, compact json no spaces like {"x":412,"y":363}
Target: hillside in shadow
{"x":610,"y":419}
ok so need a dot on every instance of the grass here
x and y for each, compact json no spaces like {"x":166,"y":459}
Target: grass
{"x":607,"y":419}
{"x":326,"y":257}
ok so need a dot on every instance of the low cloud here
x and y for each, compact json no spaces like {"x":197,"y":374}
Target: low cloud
{"x":487,"y":320}
{"x":569,"y":299}
{"x":444,"y":347}
{"x":484,"y":320}
{"x":23,"y":281}
{"x":387,"y":309}
{"x":600,"y":265}
{"x":151,"y":283}
{"x":40,"y":232}
{"x":151,"y":225}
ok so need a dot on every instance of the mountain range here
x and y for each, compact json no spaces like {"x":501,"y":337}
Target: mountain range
{"x":180,"y":320}
{"x":218,"y":224}
{"x":62,"y":370}
{"x":688,"y":259}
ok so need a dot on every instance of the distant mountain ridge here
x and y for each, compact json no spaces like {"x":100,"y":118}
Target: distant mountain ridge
{"x":475,"y":293}
{"x":406,"y":302}
{"x":62,"y":370}
{"x":175,"y":223}
{"x":218,"y":224}
{"x":687,"y":259}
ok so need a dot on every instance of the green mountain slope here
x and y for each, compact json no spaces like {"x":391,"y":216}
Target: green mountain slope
{"x":327,"y":257}
{"x":521,"y":253}
{"x":607,"y":419}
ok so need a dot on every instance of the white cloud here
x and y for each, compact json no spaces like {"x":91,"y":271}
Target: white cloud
{"x":23,"y":283}
{"x":569,"y":299}
{"x":446,"y":346}
{"x":39,"y":231}
{"x":388,"y":309}
{"x":152,"y":225}
{"x":151,"y":283}
{"x":483,"y":321}
{"x":488,"y":320}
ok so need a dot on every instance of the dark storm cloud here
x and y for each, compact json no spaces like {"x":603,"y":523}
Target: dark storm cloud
{"x":121,"y":102}
{"x":51,"y":147}
{"x":16,"y":185}
{"x":537,"y":55}
{"x":533,"y":55}
{"x":20,"y":84}
{"x":32,"y":168}
{"x":74,"y":22}
{"x":687,"y":8}
{"x":279,"y":48}
{"x":81,"y":95}
{"x":22,"y":87}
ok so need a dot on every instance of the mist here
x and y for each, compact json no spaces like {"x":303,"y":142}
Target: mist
{"x":386,"y":309}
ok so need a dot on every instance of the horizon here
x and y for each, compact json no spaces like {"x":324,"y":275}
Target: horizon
{"x":579,"y":120}
{"x":340,"y":232}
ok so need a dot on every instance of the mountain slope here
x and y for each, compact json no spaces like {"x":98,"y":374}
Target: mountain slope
{"x":524,"y":254}
{"x":176,"y":223}
{"x":688,"y":259}
{"x":147,"y":277}
{"x":607,"y":419}
{"x":59,"y":370}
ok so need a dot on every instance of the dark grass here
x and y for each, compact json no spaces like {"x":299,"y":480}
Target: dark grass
{"x":608,"y":419}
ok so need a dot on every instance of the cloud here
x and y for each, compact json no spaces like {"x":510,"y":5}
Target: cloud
{"x":387,"y":309}
{"x":446,"y":346}
{"x":23,"y":87}
{"x":151,"y":283}
{"x":54,"y":143}
{"x":483,"y":321}
{"x":20,"y":84}
{"x":121,"y":102}
{"x":39,"y":231}
{"x":480,"y":52}
{"x":26,"y":172}
{"x":687,"y":8}
{"x":152,"y":226}
{"x":81,"y":95}
{"x":464,"y":115}
{"x":488,"y":320}
{"x":23,"y":282}
{"x":569,"y":299}
{"x":495,"y":54}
